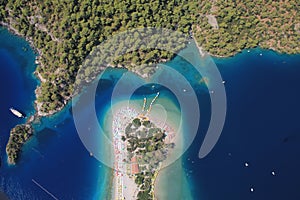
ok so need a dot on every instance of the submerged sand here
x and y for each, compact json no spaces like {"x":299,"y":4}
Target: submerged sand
{"x":166,"y":115}
{"x":171,"y":182}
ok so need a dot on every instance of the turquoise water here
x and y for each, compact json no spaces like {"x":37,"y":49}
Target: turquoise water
{"x":261,"y":128}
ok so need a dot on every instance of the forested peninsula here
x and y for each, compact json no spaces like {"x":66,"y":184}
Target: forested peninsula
{"x":64,"y":32}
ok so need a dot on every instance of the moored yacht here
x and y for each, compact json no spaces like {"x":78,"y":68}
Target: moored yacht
{"x":16,"y":113}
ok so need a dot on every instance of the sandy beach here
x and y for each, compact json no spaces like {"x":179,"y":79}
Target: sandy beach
{"x":165,"y":115}
{"x":118,"y":116}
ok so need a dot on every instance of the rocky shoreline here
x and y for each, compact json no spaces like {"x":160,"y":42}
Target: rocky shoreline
{"x":39,"y":113}
{"x":21,"y":133}
{"x":18,"y":136}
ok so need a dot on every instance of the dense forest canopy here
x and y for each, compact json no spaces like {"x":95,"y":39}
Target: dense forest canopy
{"x":64,"y":32}
{"x":248,"y":24}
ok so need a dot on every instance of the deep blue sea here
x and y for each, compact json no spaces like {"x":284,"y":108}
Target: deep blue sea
{"x":262,"y":129}
{"x":55,"y":157}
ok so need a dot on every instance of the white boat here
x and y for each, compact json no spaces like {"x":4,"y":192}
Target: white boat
{"x":16,"y":112}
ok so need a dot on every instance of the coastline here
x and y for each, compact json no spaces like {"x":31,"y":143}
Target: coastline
{"x":171,"y":168}
{"x":37,"y":105}
{"x":160,"y":173}
{"x":116,"y":181}
{"x":159,"y":179}
{"x":37,"y":114}
{"x":21,"y":131}
{"x":17,"y":33}
{"x":203,"y":52}
{"x":154,"y":116}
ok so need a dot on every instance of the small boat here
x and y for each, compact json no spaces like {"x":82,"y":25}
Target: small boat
{"x":273,"y":173}
{"x":16,"y":113}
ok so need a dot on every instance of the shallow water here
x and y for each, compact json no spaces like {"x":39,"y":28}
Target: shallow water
{"x":261,"y":128}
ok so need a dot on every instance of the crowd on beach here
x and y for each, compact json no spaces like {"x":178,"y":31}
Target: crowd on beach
{"x":121,"y":180}
{"x":124,"y":185}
